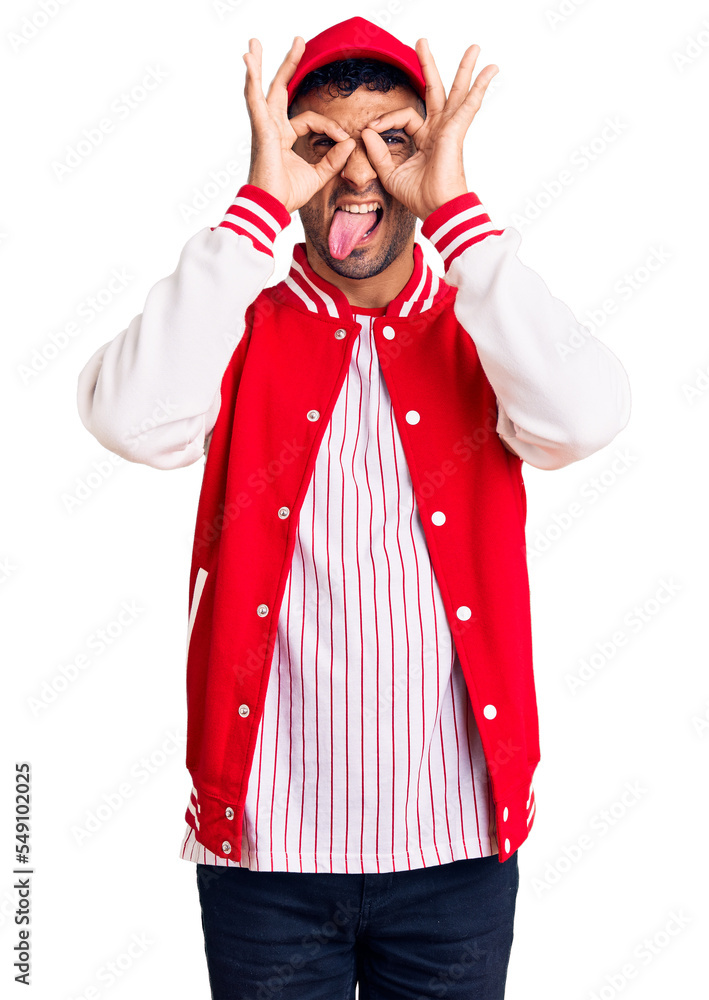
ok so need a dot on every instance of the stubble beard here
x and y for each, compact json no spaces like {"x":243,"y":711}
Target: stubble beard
{"x":364,"y":262}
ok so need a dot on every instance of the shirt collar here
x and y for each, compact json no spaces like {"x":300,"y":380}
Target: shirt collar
{"x":303,"y":288}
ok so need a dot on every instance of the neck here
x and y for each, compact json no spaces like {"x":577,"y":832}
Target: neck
{"x":369,"y":293}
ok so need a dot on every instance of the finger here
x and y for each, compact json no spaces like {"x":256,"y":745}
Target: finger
{"x":407,"y":118}
{"x":278,"y":91}
{"x":311,"y":121}
{"x":461,"y":83}
{"x":253,"y":91}
{"x":435,"y":98}
{"x":477,"y":91}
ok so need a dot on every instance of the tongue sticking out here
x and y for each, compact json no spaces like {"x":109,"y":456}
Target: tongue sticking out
{"x":347,"y":229}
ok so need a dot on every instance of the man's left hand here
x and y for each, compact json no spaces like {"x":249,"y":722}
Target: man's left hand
{"x":434,"y":174}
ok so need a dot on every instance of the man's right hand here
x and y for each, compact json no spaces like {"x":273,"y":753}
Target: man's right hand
{"x":275,"y":166}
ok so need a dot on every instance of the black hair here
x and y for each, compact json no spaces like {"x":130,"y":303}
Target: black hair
{"x":344,"y":76}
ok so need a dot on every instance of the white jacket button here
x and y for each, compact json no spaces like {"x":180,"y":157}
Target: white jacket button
{"x":229,"y":812}
{"x":313,"y":414}
{"x":339,"y":334}
{"x":389,"y":332}
{"x":463,"y":613}
{"x":507,"y":846}
{"x":413,"y":417}
{"x":262,"y":610}
{"x":489,"y":711}
{"x":438,"y":517}
{"x":226,"y":847}
{"x":244,"y":711}
{"x":283,"y":511}
{"x":505,"y":814}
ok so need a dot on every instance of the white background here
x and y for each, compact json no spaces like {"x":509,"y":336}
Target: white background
{"x":72,"y":554}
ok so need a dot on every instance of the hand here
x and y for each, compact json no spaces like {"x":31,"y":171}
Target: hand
{"x":434,"y":174}
{"x":275,"y":166}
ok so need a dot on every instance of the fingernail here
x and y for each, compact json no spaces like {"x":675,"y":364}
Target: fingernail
{"x":375,"y":121}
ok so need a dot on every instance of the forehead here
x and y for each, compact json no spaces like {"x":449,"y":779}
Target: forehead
{"x":355,"y":110}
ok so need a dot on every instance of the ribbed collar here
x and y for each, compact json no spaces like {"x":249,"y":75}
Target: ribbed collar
{"x":304,"y":289}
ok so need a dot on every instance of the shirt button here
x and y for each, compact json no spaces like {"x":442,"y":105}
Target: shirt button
{"x":413,"y":417}
{"x":438,"y":517}
{"x":313,"y":414}
{"x":229,"y":812}
{"x":262,"y":610}
{"x":489,"y":711}
{"x":244,"y":711}
{"x":505,"y":814}
{"x":339,"y":334}
{"x":463,"y":613}
{"x":389,"y":332}
{"x":226,"y":847}
{"x":283,"y":511}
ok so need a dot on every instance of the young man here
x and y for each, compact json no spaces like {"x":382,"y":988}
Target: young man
{"x":362,"y":725}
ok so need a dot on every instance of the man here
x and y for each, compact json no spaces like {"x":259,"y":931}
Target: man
{"x":362,"y":725}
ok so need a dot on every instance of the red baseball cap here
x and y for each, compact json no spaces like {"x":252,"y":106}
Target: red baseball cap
{"x":357,"y":38}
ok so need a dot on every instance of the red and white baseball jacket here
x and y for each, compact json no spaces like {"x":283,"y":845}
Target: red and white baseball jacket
{"x":218,"y":362}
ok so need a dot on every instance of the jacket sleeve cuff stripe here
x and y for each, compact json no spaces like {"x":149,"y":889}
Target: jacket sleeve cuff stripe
{"x":257,"y":214}
{"x":458,"y":224}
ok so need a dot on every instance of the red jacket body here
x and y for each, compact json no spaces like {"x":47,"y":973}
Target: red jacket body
{"x":277,"y":395}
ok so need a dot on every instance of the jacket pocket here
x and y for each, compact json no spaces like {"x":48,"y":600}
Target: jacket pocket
{"x":199,"y":583}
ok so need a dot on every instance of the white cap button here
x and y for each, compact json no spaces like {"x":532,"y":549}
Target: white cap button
{"x":389,"y":332}
{"x":507,"y":846}
{"x":229,"y":812}
{"x":262,"y":610}
{"x":244,"y":711}
{"x":226,"y":847}
{"x":313,"y":414}
{"x":505,"y":814}
{"x":283,"y":511}
{"x":489,"y":711}
{"x":463,"y":613}
{"x":438,"y":517}
{"x":339,"y":334}
{"x":413,"y":417}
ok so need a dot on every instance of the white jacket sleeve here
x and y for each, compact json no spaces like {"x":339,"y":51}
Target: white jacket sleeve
{"x":152,"y":394}
{"x":561,"y":393}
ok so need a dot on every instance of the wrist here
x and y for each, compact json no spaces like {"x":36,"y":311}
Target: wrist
{"x":271,"y":202}
{"x":458,"y":192}
{"x":456,"y":224}
{"x":258,"y":214}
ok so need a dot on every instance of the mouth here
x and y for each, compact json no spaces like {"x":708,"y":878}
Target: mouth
{"x":349,"y":230}
{"x":378,"y":215}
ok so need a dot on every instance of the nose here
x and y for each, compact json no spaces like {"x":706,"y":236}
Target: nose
{"x":358,"y":170}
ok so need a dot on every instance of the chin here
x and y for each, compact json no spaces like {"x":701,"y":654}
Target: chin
{"x":363,"y":263}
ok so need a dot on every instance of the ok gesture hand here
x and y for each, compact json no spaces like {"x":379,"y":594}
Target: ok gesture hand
{"x":434,"y":174}
{"x":275,"y":166}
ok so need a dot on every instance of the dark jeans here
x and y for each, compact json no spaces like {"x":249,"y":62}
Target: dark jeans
{"x":443,"y":931}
